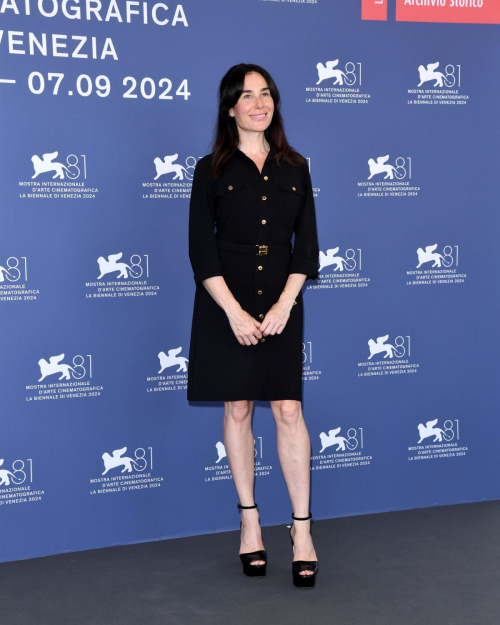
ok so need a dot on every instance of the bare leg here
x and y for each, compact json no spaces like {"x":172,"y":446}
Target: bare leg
{"x":294,"y":451}
{"x":239,"y":444}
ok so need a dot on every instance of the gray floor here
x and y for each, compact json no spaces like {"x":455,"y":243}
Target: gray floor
{"x":433,"y":566}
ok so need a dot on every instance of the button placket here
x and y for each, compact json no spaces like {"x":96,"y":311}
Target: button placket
{"x":260,"y":262}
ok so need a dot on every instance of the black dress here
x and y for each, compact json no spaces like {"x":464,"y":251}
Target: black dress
{"x":251,"y":209}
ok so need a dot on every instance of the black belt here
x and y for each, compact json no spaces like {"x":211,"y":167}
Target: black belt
{"x":260,"y":250}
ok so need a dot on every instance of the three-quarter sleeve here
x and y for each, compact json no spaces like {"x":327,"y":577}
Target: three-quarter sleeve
{"x":305,"y":256}
{"x":203,"y":252}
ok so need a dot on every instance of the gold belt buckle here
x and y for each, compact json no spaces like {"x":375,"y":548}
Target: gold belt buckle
{"x":262,"y":250}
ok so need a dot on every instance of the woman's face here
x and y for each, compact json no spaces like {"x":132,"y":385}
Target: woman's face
{"x":255,"y":107}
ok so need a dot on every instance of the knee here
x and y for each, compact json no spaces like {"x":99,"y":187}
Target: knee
{"x":287,"y":412}
{"x":238,"y":411}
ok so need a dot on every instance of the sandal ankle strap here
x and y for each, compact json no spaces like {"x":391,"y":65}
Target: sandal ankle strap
{"x":246,"y":507}
{"x":305,"y":518}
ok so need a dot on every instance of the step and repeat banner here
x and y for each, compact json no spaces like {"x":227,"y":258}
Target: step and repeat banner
{"x":105,"y":108}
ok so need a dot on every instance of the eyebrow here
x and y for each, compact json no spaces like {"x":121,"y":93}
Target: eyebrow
{"x":251,"y":90}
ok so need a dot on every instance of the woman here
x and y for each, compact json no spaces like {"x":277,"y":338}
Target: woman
{"x":246,"y":338}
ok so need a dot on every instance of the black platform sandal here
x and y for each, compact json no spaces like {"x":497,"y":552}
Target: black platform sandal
{"x":253,"y":570}
{"x":303,"y":581}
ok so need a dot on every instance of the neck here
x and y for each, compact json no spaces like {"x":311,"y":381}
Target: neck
{"x":253,"y":143}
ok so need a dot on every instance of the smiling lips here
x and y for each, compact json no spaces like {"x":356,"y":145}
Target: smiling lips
{"x":261,"y":116}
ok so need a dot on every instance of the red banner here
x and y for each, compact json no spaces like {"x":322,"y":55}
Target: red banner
{"x":374,"y":10}
{"x":456,"y":11}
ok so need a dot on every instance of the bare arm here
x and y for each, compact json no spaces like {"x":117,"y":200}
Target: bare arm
{"x":245,"y":327}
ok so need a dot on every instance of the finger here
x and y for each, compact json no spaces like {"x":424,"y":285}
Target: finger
{"x":264,"y":326}
{"x":257,"y":333}
{"x":252,"y":338}
{"x":258,"y":330}
{"x":268,"y":329}
{"x":249,"y":337}
{"x":275,"y":327}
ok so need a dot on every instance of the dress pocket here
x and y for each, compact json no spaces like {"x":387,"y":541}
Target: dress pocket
{"x":291,"y":194}
{"x":230,"y":196}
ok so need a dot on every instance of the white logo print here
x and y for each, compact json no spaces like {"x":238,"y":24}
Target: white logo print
{"x":5,"y":273}
{"x":400,"y":349}
{"x":395,"y":181}
{"x":134,"y":273}
{"x":349,"y":451}
{"x":327,"y":71}
{"x":221,"y":451}
{"x":176,"y":381}
{"x":380,"y":166}
{"x":117,"y":460}
{"x":111,"y":265}
{"x":444,"y":268}
{"x":429,"y":73}
{"x":448,"y":79}
{"x":47,"y":164}
{"x":54,"y":179}
{"x":78,"y":379}
{"x":330,"y":258}
{"x":177,"y":178}
{"x":429,"y":430}
{"x":345,"y":88}
{"x":445,"y":441}
{"x":221,"y":470}
{"x":445,"y":87}
{"x":327,"y":440}
{"x":6,"y":476}
{"x":21,"y":471}
{"x":167,"y":166}
{"x":56,"y":366}
{"x":171,"y":359}
{"x":379,"y":346}
{"x":346,"y":272}
{"x":430,"y":256}
{"x":136,"y":465}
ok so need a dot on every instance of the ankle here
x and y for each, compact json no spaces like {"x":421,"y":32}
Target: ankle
{"x":301,"y":529}
{"x":252,"y":523}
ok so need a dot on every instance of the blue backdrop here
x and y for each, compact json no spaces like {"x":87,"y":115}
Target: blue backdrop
{"x":104,"y":114}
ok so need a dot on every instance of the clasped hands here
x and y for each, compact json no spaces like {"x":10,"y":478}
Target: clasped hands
{"x":249,"y":331}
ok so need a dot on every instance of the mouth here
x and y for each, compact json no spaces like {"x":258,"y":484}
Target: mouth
{"x":260,"y":116}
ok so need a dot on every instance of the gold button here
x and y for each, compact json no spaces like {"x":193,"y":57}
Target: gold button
{"x":294,"y":188}
{"x":261,"y":316}
{"x":262,"y":340}
{"x":230,"y":187}
{"x":264,"y":197}
{"x":260,"y":267}
{"x":259,"y":292}
{"x":263,"y":221}
{"x":266,"y":178}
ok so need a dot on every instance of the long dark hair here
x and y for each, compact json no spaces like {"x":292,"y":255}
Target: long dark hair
{"x":226,"y":138}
